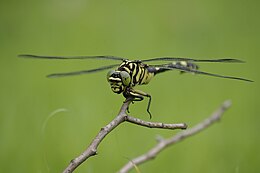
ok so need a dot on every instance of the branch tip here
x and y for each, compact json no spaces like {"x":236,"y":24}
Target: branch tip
{"x":185,"y":126}
{"x":227,"y":104}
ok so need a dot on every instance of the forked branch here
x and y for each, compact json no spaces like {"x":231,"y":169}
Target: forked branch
{"x":164,"y":143}
{"x":121,"y":117}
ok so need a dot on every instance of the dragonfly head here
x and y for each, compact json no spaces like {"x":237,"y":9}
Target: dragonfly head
{"x":118,"y":80}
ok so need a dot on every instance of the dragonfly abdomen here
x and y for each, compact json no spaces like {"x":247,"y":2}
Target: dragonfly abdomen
{"x":185,"y":65}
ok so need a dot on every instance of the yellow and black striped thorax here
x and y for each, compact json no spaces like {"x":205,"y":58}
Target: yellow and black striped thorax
{"x":138,"y":72}
{"x":129,"y":74}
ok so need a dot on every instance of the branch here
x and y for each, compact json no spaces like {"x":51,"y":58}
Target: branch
{"x":155,"y":124}
{"x":120,"y":118}
{"x":163,"y":143}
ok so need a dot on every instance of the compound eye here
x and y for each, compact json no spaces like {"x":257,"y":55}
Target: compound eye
{"x":109,"y":74}
{"x":125,"y":78}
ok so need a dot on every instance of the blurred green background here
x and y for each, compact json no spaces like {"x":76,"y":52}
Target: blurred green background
{"x":79,"y":106}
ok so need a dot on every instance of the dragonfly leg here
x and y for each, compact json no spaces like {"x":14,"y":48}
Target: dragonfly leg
{"x":131,"y":99}
{"x":148,"y":106}
{"x":139,"y":96}
{"x":128,"y":110}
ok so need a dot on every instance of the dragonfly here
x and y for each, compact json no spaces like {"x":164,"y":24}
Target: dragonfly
{"x":130,"y":73}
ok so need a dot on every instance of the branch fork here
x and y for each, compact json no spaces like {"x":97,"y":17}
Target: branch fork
{"x":120,"y":118}
{"x":153,"y":152}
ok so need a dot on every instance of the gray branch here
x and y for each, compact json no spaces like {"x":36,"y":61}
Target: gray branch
{"x":120,"y":118}
{"x":155,"y":124}
{"x":164,"y":143}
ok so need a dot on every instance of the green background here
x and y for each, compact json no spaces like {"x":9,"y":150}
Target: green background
{"x":79,"y":106}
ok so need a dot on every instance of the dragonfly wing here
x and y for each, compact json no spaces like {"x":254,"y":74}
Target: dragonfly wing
{"x":226,"y":60}
{"x":71,"y":57}
{"x":54,"y":75}
{"x":185,"y":69}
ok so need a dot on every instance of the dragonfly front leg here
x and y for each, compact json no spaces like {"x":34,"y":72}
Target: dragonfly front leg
{"x":139,"y":96}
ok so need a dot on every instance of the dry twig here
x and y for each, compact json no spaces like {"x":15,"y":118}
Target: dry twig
{"x":163,"y":143}
{"x":121,"y":117}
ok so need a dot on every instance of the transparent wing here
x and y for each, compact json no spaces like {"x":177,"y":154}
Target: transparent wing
{"x":54,"y":75}
{"x":227,"y":60}
{"x":185,"y":69}
{"x":71,"y":57}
